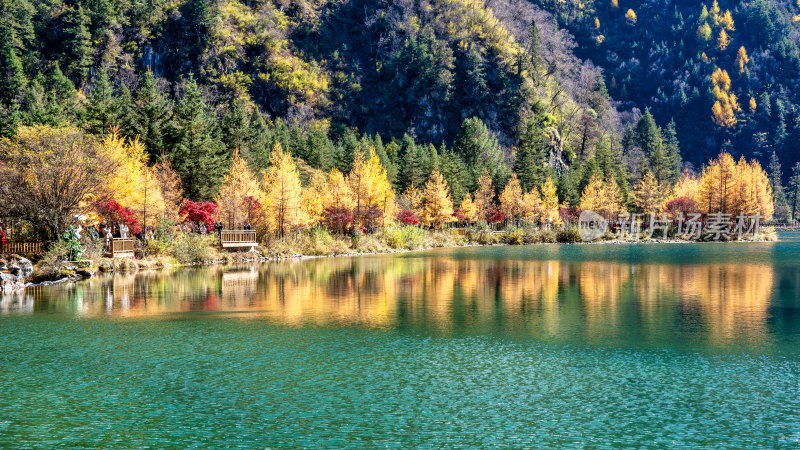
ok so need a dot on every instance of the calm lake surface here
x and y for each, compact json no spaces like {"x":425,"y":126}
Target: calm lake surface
{"x":642,"y":344}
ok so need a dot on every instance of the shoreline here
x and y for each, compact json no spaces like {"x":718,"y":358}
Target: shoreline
{"x":163,"y":263}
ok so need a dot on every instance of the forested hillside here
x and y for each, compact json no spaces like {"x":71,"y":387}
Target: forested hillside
{"x":462,"y":86}
{"x":726,"y":71}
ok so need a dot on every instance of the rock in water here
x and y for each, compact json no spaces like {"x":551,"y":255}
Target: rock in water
{"x":16,"y":272}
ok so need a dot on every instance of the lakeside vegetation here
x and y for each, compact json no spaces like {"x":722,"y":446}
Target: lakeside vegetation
{"x":327,"y":133}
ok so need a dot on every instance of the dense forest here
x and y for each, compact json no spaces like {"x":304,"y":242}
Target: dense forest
{"x":726,"y":71}
{"x":461,"y":88}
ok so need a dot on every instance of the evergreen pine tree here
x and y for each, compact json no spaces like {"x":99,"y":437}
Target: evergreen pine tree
{"x":195,"y":151}
{"x":77,"y":44}
{"x":454,"y":171}
{"x":235,"y":127}
{"x":150,"y":115}
{"x":259,"y":142}
{"x":480,"y":151}
{"x":532,"y":155}
{"x":12,"y":75}
{"x":672,"y":155}
{"x":102,"y":108}
{"x":320,"y":149}
{"x":774,"y":171}
{"x":794,"y":189}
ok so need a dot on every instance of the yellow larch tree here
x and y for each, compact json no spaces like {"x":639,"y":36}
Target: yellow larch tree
{"x":723,"y":40}
{"x":338,"y":194}
{"x":753,"y":192}
{"x":550,"y":202}
{"x":648,"y":194}
{"x":532,"y":203}
{"x":484,"y":196}
{"x":753,"y":104}
{"x":467,"y":209}
{"x":238,"y":184}
{"x":438,"y":208}
{"x":282,"y":194}
{"x":371,"y":189}
{"x":602,"y":197}
{"x":412,"y":197}
{"x":714,"y":12}
{"x":171,"y":187}
{"x":314,"y":197}
{"x":717,"y":185}
{"x":134,"y":184}
{"x":704,"y":32}
{"x":726,"y":104}
{"x":630,"y":16}
{"x":511,"y":199}
{"x":726,"y":21}
{"x":687,"y":186}
{"x":742,"y":59}
{"x":615,"y":3}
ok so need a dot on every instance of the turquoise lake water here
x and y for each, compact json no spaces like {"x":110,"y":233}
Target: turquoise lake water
{"x":676,"y":345}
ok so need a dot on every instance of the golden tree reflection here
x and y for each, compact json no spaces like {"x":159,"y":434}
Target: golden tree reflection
{"x":591,"y":300}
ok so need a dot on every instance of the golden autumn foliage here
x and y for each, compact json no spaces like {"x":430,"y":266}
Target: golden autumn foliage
{"x":171,"y":186}
{"x":467,"y":208}
{"x":370,"y":188}
{"x":484,"y":196}
{"x":687,"y":186}
{"x":282,"y":194}
{"x":412,"y":197}
{"x":735,"y":188}
{"x":338,"y":193}
{"x":134,"y":184}
{"x":602,"y":197}
{"x":615,"y":3}
{"x":648,"y":194}
{"x":532,"y":203}
{"x":753,"y":104}
{"x":726,"y":104}
{"x":630,"y":16}
{"x":314,"y":196}
{"x":704,"y":32}
{"x":237,"y":184}
{"x":511,"y":199}
{"x":438,"y":208}
{"x":726,"y":21}
{"x":723,"y":40}
{"x":742,"y":59}
{"x":596,"y":23}
{"x":550,"y":202}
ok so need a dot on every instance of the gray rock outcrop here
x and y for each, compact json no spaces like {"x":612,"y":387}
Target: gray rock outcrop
{"x":14,"y":273}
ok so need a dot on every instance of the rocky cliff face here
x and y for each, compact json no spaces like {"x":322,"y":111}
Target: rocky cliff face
{"x":14,"y":272}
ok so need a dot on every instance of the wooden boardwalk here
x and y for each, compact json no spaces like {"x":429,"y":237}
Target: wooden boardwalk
{"x":22,"y":248}
{"x":122,"y":248}
{"x":238,"y":238}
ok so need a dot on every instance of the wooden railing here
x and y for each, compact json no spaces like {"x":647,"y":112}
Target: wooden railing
{"x":238,"y":238}
{"x":23,"y":248}
{"x":122,"y":248}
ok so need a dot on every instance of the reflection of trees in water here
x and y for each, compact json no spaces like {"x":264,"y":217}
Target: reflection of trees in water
{"x":550,"y":298}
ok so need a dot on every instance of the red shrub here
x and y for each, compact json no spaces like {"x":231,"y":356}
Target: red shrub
{"x":253,"y":208}
{"x":494,"y":215}
{"x":681,"y":205}
{"x":113,"y":213}
{"x":407,"y":217}
{"x":569,"y":215}
{"x":338,"y":220}
{"x":199,"y":212}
